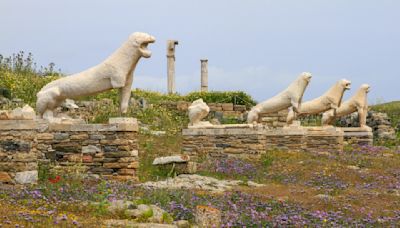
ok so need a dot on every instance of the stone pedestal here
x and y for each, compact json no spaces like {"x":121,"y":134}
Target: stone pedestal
{"x":107,"y":149}
{"x":324,"y":138}
{"x":251,"y":141}
{"x":358,"y":135}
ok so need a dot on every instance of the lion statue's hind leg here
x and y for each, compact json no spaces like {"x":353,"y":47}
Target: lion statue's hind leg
{"x":47,"y":101}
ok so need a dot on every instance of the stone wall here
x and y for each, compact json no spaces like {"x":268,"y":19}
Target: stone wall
{"x":274,"y":120}
{"x":107,"y":149}
{"x":247,"y":141}
{"x":379,"y":122}
{"x":18,"y":152}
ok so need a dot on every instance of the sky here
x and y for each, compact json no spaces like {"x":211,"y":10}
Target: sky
{"x":257,"y":46}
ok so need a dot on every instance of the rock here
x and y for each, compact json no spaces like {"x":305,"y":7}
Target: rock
{"x":120,"y":205}
{"x":27,"y":177}
{"x":254,"y":184}
{"x":194,"y":181}
{"x":61,"y":136}
{"x":143,"y":207}
{"x":206,"y":216}
{"x":133,"y":213}
{"x":28,"y":113}
{"x":182,"y":224}
{"x":17,"y":100}
{"x":148,"y":213}
{"x":171,"y":159}
{"x":5,"y":178}
{"x":158,"y":214}
{"x":5,"y":115}
{"x":353,"y":167}
{"x":90,"y":149}
{"x":87,"y":159}
{"x":131,"y":224}
{"x":227,"y":106}
{"x":158,"y":133}
{"x":324,"y":197}
{"x":182,"y":105}
{"x":25,"y":113}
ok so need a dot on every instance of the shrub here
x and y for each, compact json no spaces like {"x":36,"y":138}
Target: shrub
{"x":19,"y":75}
{"x":235,"y":97}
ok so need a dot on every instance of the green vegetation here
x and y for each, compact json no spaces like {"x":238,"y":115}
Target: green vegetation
{"x":391,"y":108}
{"x":19,"y":75}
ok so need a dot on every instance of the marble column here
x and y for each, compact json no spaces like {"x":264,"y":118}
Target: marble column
{"x":204,"y":75}
{"x":171,"y":65}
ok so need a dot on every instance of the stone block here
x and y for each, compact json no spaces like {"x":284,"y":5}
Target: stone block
{"x":115,"y":165}
{"x":5,"y":178}
{"x":79,"y":137}
{"x":61,"y":136}
{"x":240,"y":108}
{"x":126,"y":171}
{"x":127,"y":159}
{"x":18,"y":125}
{"x":87,"y":159}
{"x":115,"y":142}
{"x":26,"y":177}
{"x":24,"y":157}
{"x":182,"y":106}
{"x":206,"y":216}
{"x":227,"y":106}
{"x":133,"y":165}
{"x":90,"y":149}
{"x":15,"y":146}
{"x":96,"y":136}
{"x":76,"y":158}
{"x":45,"y":136}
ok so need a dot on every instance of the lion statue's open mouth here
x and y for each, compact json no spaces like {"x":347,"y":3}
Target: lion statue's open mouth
{"x":142,"y":40}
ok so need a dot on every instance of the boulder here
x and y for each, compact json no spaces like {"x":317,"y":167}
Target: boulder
{"x":26,"y":177}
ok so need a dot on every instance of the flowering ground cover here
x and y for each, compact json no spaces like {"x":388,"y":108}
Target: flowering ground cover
{"x":359,"y":187}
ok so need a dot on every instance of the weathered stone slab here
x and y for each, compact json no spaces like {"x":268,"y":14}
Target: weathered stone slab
{"x":171,"y":159}
{"x":26,"y":177}
{"x":18,"y":125}
{"x":92,"y":127}
{"x":358,"y":135}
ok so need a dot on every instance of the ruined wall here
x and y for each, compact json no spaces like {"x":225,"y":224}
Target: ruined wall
{"x":18,"y":151}
{"x":247,"y":142}
{"x":107,"y":149}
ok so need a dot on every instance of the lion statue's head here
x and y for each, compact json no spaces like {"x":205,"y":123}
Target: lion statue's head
{"x":365,"y":87}
{"x":141,"y":40}
{"x":306,"y":76}
{"x":346,"y":84}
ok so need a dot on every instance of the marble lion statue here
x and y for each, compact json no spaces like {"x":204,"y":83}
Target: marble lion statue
{"x":291,"y":96}
{"x":357,"y":103}
{"x":197,"y":111}
{"x":116,"y":72}
{"x":330,"y":100}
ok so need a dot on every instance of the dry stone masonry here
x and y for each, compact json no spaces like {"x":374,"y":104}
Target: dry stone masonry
{"x":107,"y":149}
{"x":251,"y":141}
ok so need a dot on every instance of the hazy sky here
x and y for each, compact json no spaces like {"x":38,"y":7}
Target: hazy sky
{"x":255,"y":46}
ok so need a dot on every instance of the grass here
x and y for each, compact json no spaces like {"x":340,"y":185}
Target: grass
{"x":360,"y":186}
